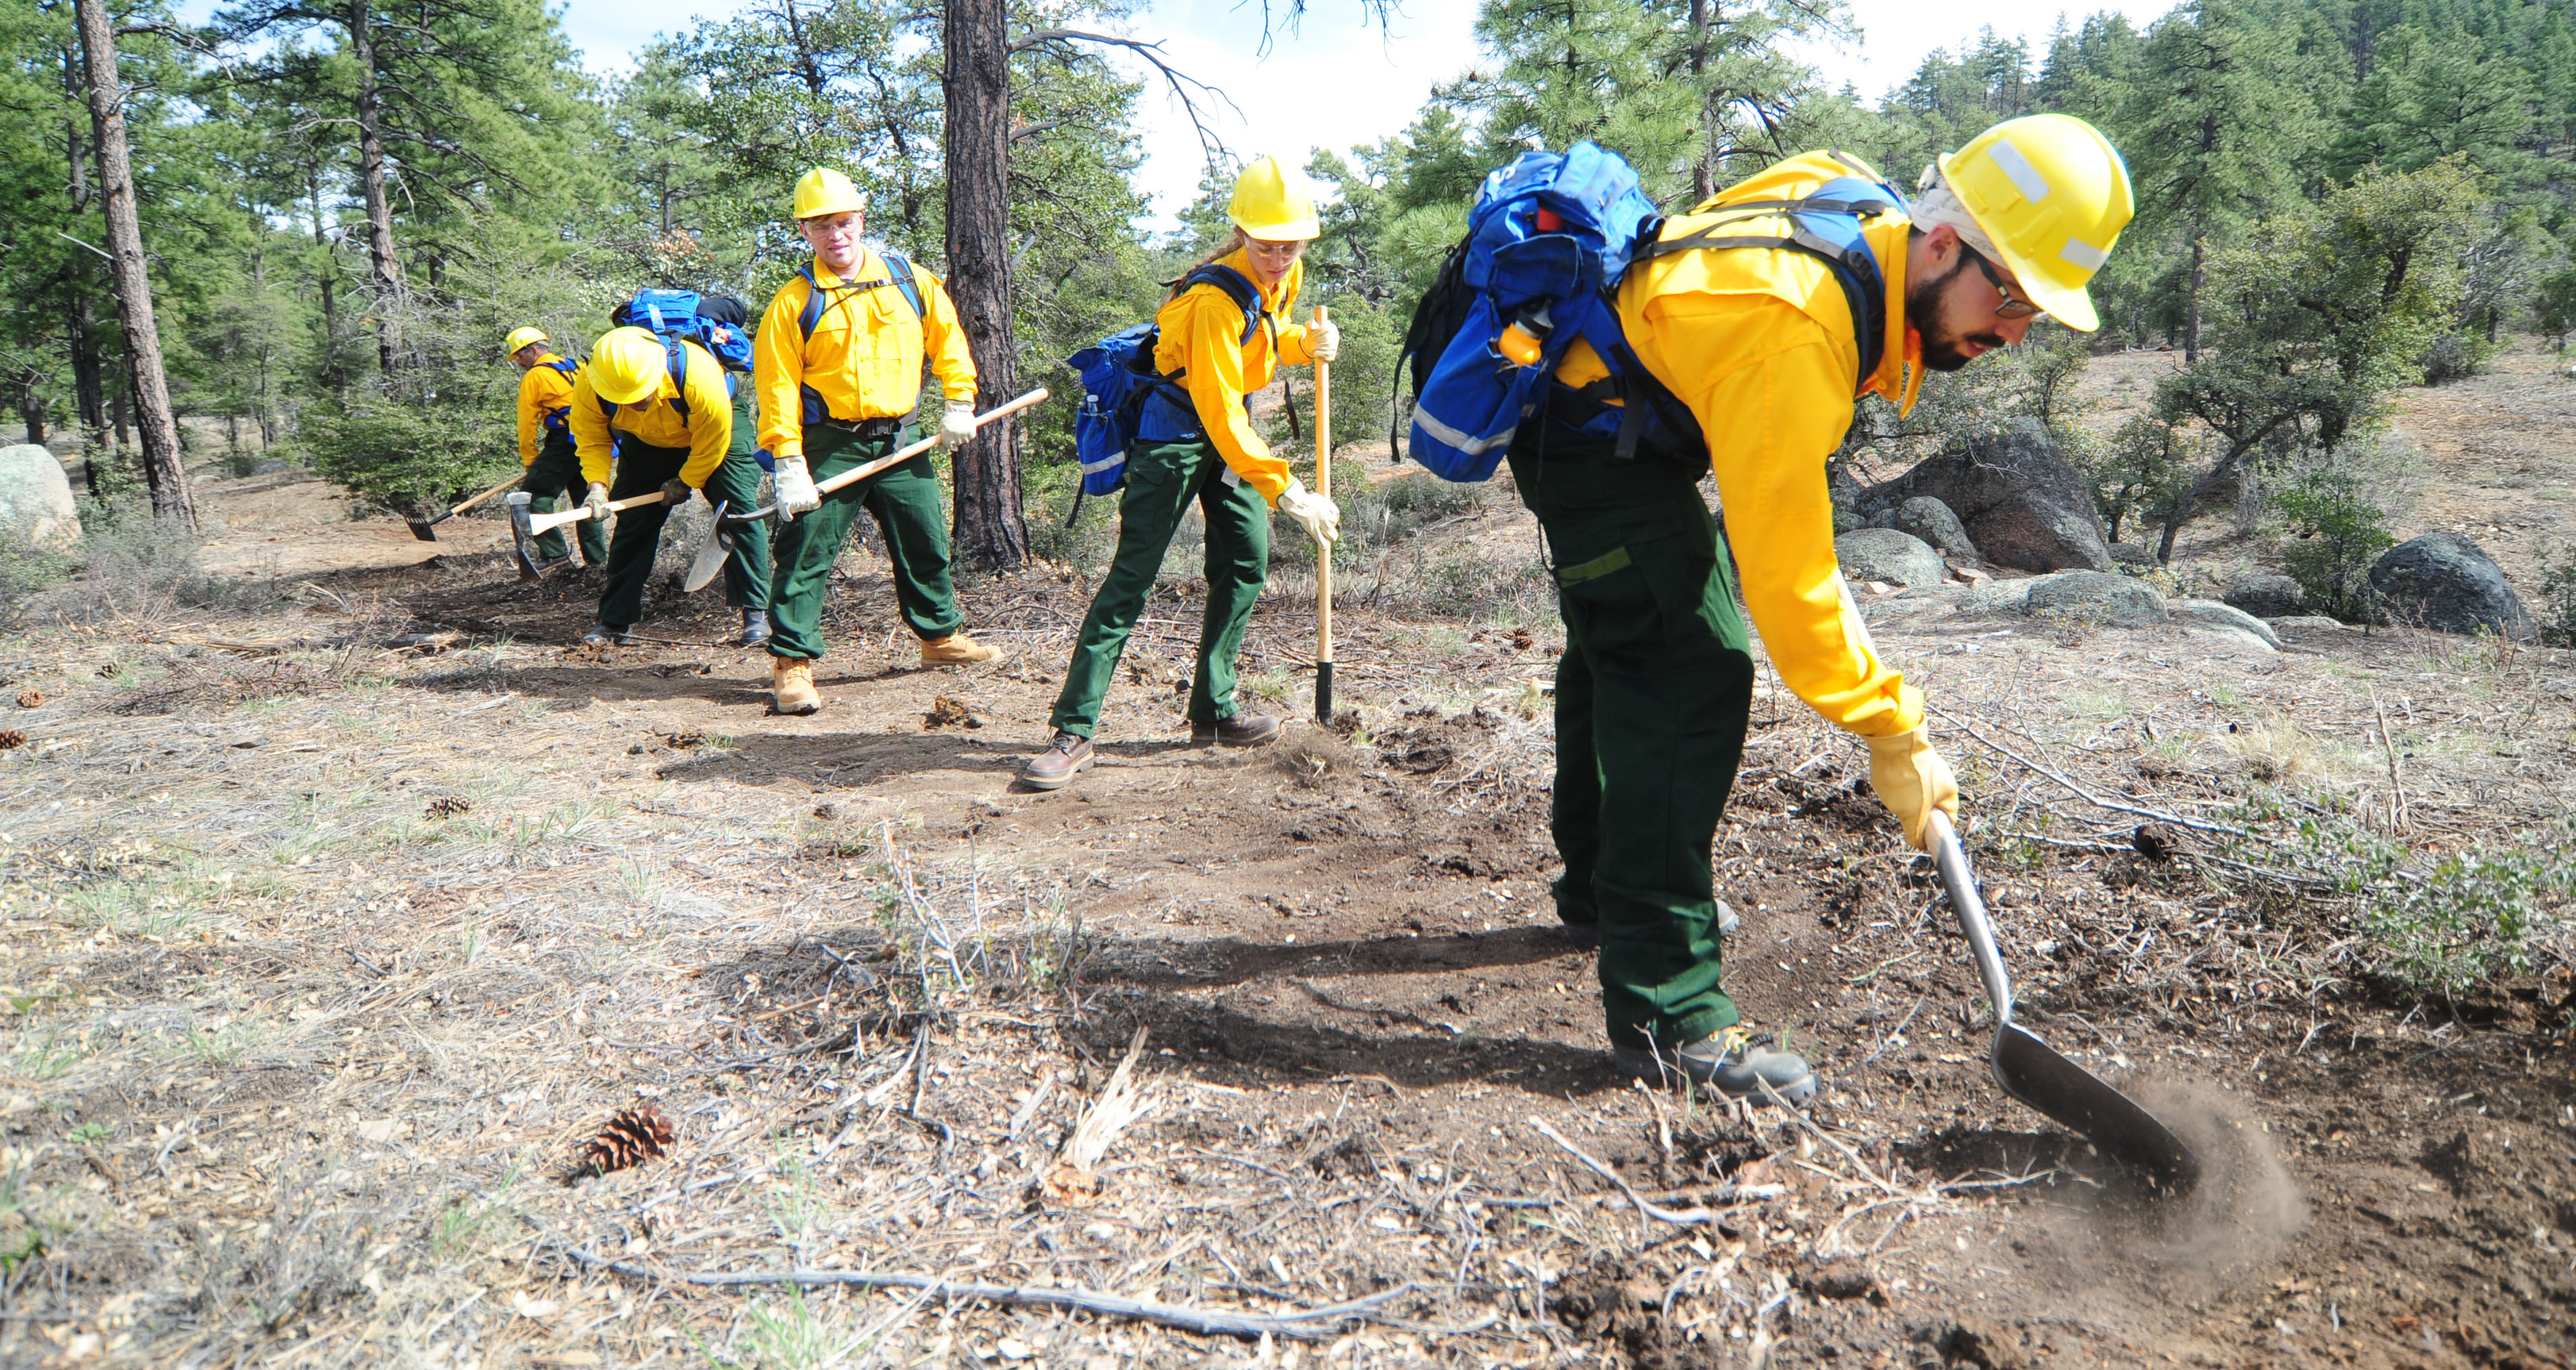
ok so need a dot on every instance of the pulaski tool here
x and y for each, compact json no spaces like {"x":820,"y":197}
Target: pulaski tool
{"x":711,"y":554}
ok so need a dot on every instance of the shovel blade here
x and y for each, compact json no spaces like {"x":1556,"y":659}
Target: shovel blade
{"x":2032,"y":1071}
{"x":425,"y":529}
{"x":711,"y":554}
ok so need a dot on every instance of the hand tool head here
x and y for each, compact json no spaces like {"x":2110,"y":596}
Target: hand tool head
{"x":711,"y":554}
{"x":522,"y":538}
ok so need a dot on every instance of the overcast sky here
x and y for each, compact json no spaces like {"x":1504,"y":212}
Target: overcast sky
{"x":1337,"y":84}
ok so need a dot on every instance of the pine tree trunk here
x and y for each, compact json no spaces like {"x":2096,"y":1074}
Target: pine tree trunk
{"x":89,"y":392}
{"x":384,"y":271}
{"x":2191,"y":314}
{"x":1704,"y":170}
{"x":989,"y":532}
{"x":161,"y":456}
{"x":330,"y":299}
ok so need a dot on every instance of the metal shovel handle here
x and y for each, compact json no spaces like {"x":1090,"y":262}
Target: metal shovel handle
{"x":1961,"y":882}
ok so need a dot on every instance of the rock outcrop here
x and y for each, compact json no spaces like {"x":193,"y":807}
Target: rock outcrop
{"x":2016,"y":497}
{"x":2445,"y":582}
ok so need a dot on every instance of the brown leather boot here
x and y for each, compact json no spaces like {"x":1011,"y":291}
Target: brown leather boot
{"x":1242,"y":730}
{"x":956,"y":649}
{"x":791,"y":686}
{"x":1064,"y":758}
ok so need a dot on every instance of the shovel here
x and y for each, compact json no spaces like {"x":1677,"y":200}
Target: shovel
{"x":525,"y":526}
{"x":711,"y":554}
{"x":2032,"y":1071}
{"x":420,"y":528}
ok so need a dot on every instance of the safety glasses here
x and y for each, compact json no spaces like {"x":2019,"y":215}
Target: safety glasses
{"x":2013,"y":307}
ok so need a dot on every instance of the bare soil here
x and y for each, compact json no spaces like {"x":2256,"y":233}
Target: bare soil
{"x":326,"y":958}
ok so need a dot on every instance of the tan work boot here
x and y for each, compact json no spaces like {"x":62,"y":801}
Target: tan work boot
{"x":956,"y":649}
{"x":791,"y":686}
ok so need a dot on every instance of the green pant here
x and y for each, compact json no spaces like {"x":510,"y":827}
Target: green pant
{"x":1162,"y":479}
{"x":1652,"y":699}
{"x":555,"y":479}
{"x":643,"y":469}
{"x":910,"y":512}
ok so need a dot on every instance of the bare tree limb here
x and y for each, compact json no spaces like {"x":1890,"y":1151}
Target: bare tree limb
{"x":1310,"y":1325}
{"x":1180,"y":82}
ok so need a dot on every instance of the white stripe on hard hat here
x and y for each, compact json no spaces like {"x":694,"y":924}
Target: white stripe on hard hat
{"x":2084,"y":254}
{"x":2025,"y":177}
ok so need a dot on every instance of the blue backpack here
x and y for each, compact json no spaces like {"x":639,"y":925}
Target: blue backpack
{"x":1548,"y":242}
{"x":818,"y":298}
{"x":560,"y":420}
{"x":1125,"y":399}
{"x":673,"y":316}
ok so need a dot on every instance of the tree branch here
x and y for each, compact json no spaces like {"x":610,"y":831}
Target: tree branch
{"x":1181,"y":83}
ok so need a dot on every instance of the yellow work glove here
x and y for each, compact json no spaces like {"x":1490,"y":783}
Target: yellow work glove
{"x":597,"y":503}
{"x":1912,"y":780}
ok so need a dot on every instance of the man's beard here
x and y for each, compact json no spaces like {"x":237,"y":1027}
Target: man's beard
{"x":1923,"y":310}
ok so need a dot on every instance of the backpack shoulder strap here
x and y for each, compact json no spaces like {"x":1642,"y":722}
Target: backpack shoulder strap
{"x":1238,"y":288}
{"x":905,"y":283}
{"x":1855,"y":268}
{"x":814,"y":302}
{"x":559,"y":364}
{"x":678,"y":356}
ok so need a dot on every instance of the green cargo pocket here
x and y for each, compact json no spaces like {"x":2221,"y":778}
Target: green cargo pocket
{"x":1616,"y":559}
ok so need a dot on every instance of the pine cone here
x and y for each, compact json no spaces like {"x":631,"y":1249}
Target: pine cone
{"x":11,"y":739}
{"x":449,"y":806}
{"x":684,"y":741}
{"x":633,"y":1136}
{"x":30,"y":698}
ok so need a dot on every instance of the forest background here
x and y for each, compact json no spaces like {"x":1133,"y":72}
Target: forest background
{"x":346,"y":203}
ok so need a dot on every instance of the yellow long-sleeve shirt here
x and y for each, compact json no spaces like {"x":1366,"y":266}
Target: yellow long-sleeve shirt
{"x":1760,"y":345}
{"x":865,"y":356}
{"x":707,"y":432}
{"x":1200,"y":333}
{"x":543,"y":391}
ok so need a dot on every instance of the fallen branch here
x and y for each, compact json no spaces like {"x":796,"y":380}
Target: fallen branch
{"x":2089,"y":797}
{"x":1311,"y":1325}
{"x":1688,"y":1217}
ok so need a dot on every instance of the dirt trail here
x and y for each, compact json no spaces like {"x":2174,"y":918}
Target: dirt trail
{"x":1346,"y":927}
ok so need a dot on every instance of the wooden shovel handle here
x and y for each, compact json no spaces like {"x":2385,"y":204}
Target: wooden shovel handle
{"x":478,"y":499}
{"x":859,"y":473}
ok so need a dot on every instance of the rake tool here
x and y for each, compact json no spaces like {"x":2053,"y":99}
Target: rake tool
{"x":710,"y":556}
{"x":2035,"y":1073}
{"x":421,"y":528}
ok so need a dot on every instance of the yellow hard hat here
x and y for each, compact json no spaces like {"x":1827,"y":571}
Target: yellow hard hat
{"x":627,"y":364}
{"x":521,"y":337}
{"x":2053,"y":194}
{"x":1272,"y":202}
{"x":825,"y":191}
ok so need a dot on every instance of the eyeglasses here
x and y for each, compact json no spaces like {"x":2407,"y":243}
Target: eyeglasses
{"x":2013,"y":306}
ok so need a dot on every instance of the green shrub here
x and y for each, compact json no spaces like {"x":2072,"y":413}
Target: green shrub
{"x":2455,"y":357}
{"x":2558,"y":595}
{"x":2335,"y":507}
{"x":2475,"y":914}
